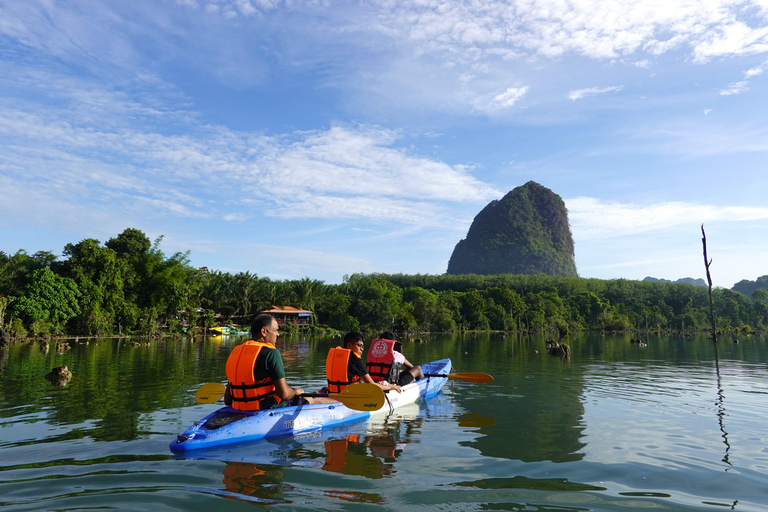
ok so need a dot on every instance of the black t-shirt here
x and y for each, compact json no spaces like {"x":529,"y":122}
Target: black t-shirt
{"x":355,"y":366}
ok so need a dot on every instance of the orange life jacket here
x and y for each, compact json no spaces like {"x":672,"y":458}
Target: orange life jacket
{"x":244,"y":478}
{"x":337,"y":453}
{"x":337,"y":369}
{"x":247,"y":394}
{"x":381,"y":357}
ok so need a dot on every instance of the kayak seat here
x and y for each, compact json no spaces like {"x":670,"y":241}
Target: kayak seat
{"x":222,"y":419}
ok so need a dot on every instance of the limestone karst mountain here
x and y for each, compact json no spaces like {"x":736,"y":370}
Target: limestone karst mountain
{"x":525,"y":232}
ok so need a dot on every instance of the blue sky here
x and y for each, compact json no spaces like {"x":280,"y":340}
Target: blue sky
{"x":314,"y":138}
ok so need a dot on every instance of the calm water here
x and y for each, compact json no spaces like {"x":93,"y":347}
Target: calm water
{"x":615,"y":427}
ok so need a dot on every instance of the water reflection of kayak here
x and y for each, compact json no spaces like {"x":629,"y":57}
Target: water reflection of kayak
{"x":227,"y":425}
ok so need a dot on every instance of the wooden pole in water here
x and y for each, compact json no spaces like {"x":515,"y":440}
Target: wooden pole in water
{"x":707,"y":262}
{"x":720,"y":396}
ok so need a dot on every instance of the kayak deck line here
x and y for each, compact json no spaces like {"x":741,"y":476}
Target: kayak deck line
{"x":227,"y":425}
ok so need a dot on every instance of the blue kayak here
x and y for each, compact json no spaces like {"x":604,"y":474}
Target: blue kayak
{"x":227,"y":425}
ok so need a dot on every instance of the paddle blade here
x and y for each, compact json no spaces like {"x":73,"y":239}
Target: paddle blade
{"x":476,"y":377}
{"x":361,"y":397}
{"x":210,"y":393}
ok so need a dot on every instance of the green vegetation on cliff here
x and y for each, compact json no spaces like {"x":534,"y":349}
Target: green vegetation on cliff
{"x":525,"y":232}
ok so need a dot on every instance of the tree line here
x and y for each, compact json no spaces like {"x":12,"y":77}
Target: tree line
{"x":129,"y":286}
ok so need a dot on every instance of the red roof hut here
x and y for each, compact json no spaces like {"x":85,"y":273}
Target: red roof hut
{"x":290,"y":315}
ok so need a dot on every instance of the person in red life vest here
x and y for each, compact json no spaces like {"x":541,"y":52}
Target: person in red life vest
{"x":256,"y":375}
{"x":345,"y":366}
{"x":386,"y":361}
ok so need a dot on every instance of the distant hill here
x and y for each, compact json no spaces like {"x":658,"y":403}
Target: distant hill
{"x":684,"y":280}
{"x":748,"y":287}
{"x":525,"y":232}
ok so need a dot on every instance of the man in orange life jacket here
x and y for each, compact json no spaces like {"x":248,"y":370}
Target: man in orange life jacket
{"x":345,"y":366}
{"x":256,"y":375}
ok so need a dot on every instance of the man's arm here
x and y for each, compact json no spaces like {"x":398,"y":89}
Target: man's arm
{"x":358,"y":368}
{"x":386,"y":386}
{"x":284,"y":391}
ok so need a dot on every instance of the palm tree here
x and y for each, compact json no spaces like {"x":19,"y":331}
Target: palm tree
{"x":306,"y":291}
{"x":216,"y":294}
{"x":270,"y":293}
{"x":245,"y":291}
{"x":354,"y":288}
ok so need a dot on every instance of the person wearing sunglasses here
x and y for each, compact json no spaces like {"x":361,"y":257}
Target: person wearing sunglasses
{"x":345,"y":366}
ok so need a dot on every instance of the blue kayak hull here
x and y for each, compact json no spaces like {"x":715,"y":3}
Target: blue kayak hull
{"x":227,"y":425}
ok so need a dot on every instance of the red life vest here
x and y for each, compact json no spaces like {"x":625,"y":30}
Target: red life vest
{"x":247,"y":394}
{"x":381,"y":357}
{"x":337,"y":369}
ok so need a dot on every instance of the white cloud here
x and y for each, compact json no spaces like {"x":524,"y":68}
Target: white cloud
{"x":363,"y":207}
{"x":349,"y":173}
{"x":757,"y":70}
{"x":496,"y":103}
{"x":235,"y":217}
{"x":231,"y":9}
{"x":342,"y":172}
{"x":735,"y":88}
{"x":732,"y":37}
{"x":607,"y":29}
{"x":593,"y":218}
{"x":464,"y":38}
{"x":743,"y":85}
{"x":509,"y":97}
{"x":592,"y":91}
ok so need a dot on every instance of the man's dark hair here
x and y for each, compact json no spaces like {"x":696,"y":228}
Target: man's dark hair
{"x":387,"y":335}
{"x":261,"y":321}
{"x":352,"y":337}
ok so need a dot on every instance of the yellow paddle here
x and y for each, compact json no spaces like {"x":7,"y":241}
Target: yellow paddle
{"x":477,"y":377}
{"x":360,"y":397}
{"x":210,"y":393}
